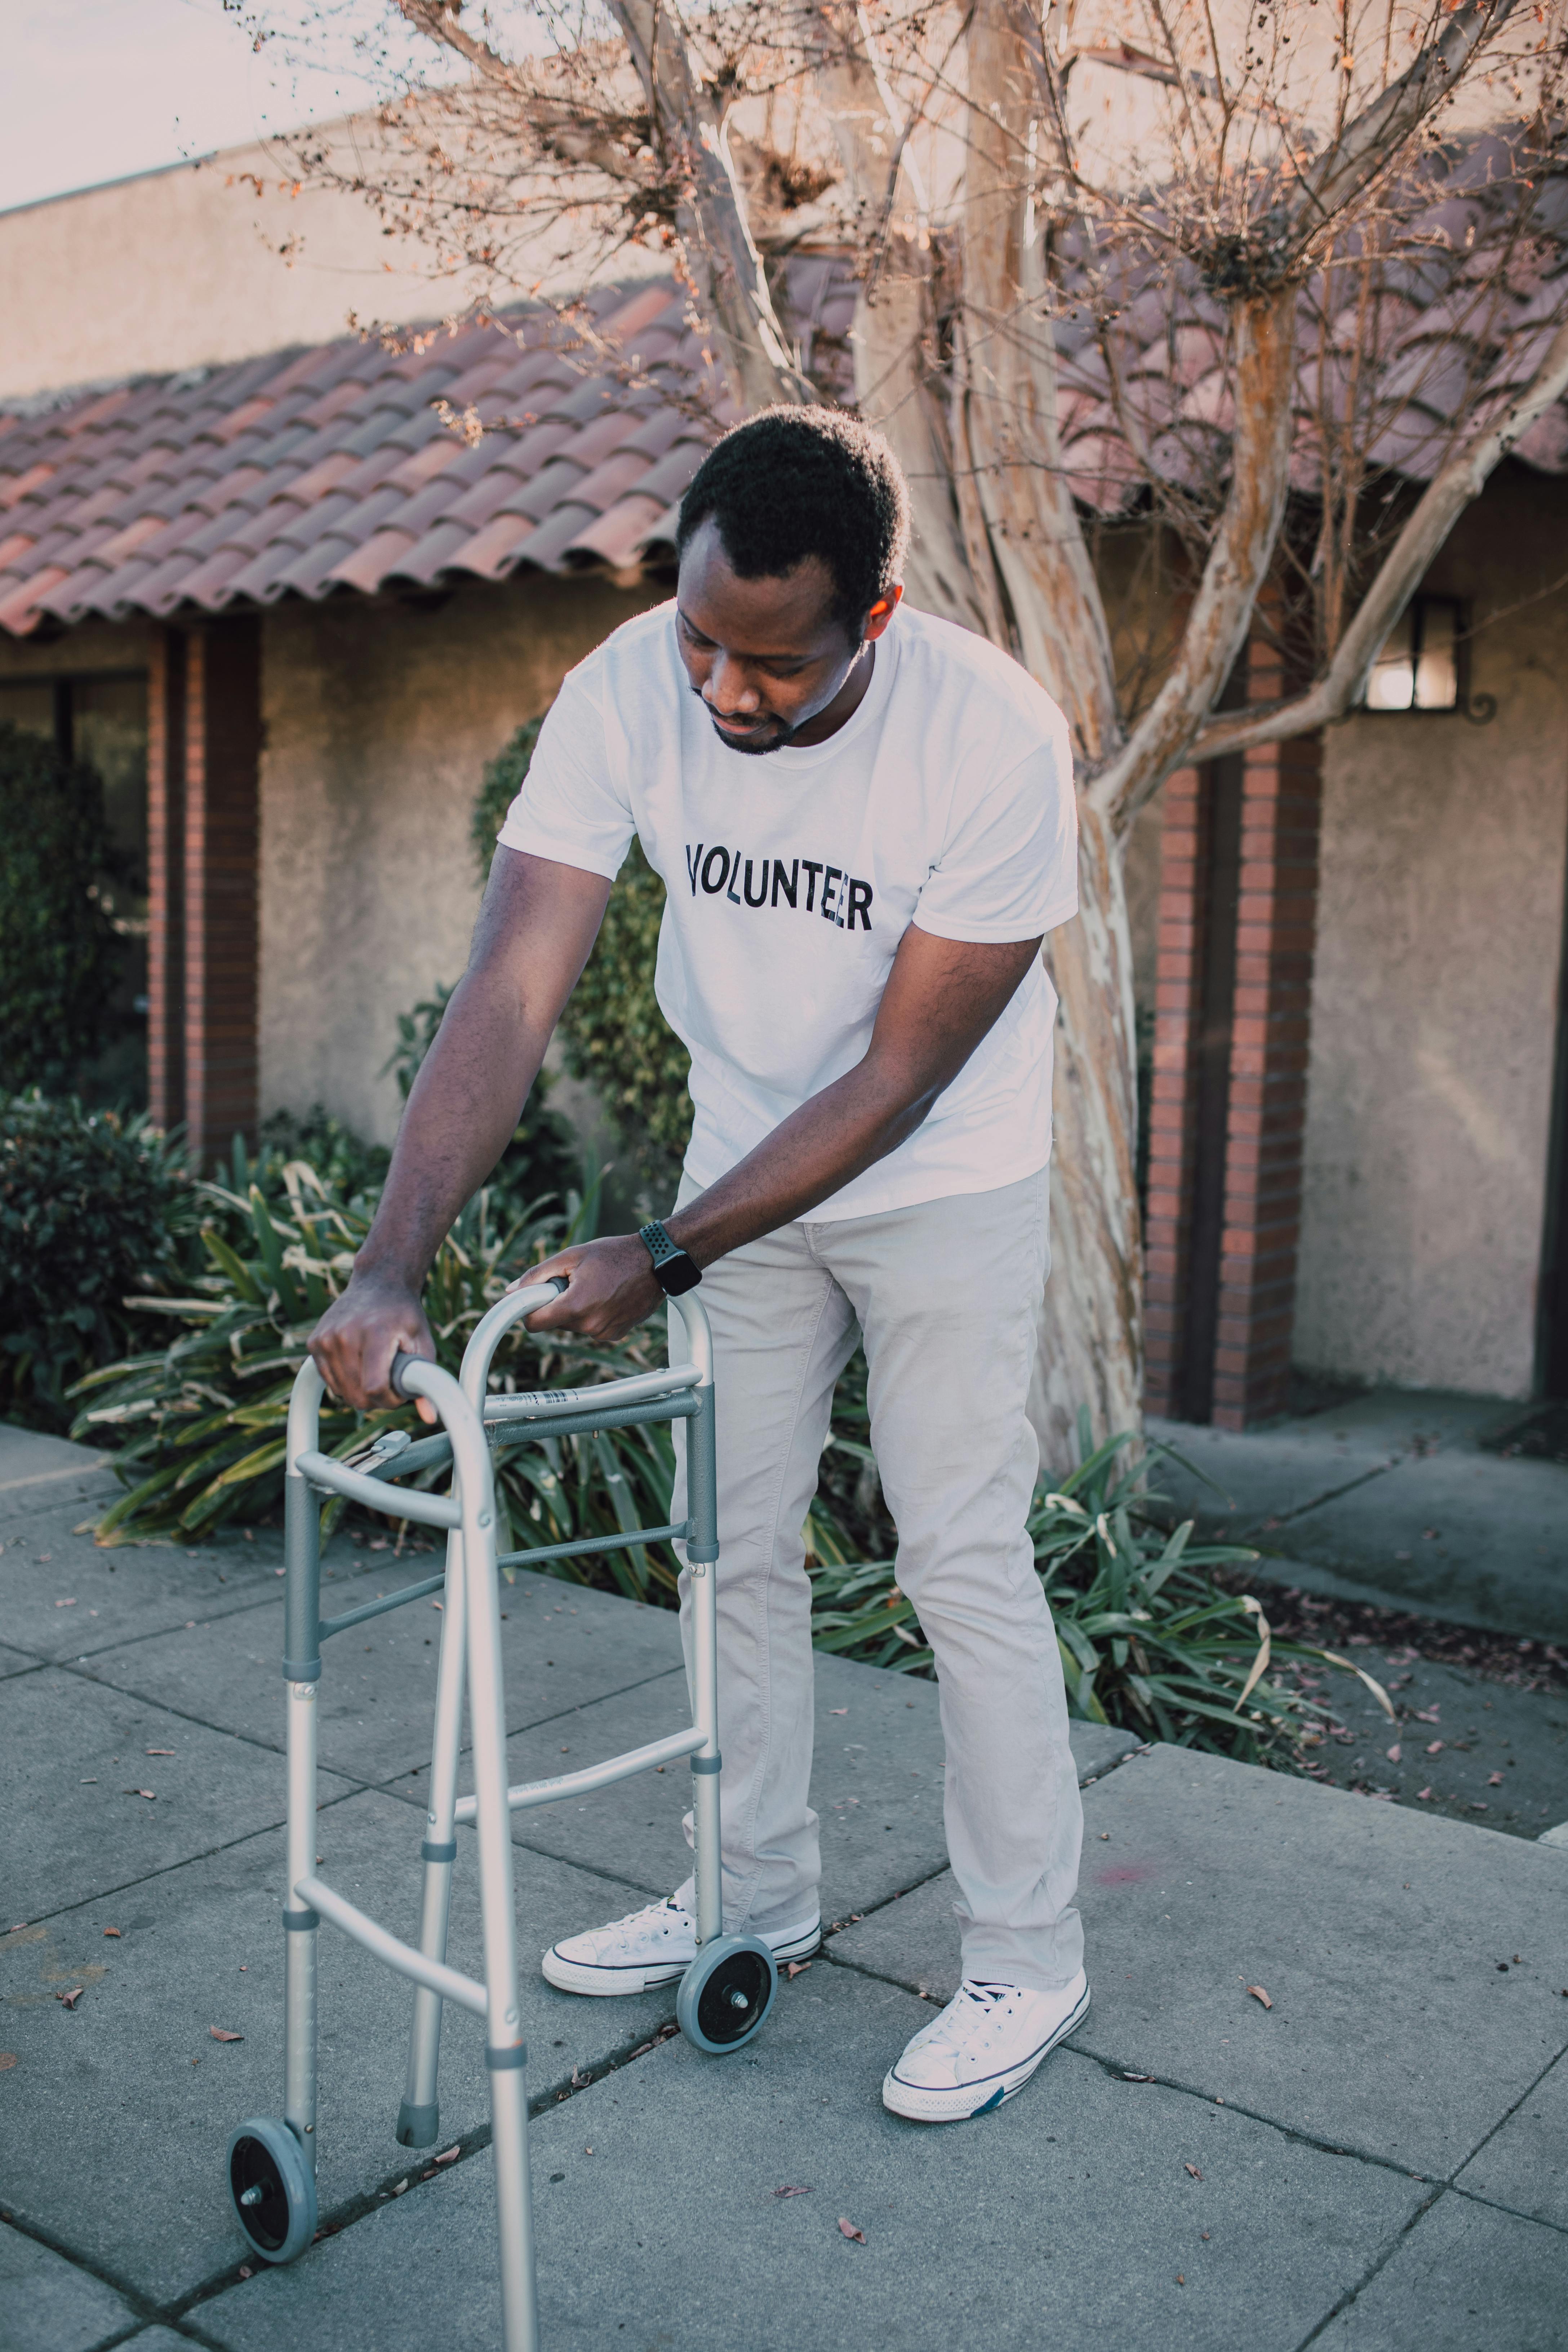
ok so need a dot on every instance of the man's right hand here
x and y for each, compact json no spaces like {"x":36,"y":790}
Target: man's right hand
{"x":378,"y":1317}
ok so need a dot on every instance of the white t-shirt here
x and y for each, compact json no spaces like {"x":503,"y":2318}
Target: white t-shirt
{"x":791,"y":877}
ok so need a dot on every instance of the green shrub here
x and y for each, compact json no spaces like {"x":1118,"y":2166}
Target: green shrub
{"x":342,"y":1160}
{"x":59,"y":954}
{"x":543,"y":1156}
{"x":92,"y":1206}
{"x":1148,"y":1640}
{"x":201,"y":1417}
{"x":616,"y":1040}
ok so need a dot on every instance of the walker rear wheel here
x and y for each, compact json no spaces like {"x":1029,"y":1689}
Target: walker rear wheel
{"x":726,"y":1993}
{"x":273,"y":2188}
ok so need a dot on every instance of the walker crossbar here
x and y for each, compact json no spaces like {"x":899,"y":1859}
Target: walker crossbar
{"x":594,"y":1776}
{"x":368,"y":1608}
{"x":725,"y":1993}
{"x":450,"y":1983}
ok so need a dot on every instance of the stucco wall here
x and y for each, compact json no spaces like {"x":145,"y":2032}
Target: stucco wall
{"x":213,"y":261}
{"x":1433,"y":1005}
{"x":378,"y":722}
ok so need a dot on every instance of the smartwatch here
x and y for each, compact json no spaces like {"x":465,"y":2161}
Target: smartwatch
{"x":673,"y":1270}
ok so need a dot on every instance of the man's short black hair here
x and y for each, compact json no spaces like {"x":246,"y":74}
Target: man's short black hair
{"x":795,"y":482}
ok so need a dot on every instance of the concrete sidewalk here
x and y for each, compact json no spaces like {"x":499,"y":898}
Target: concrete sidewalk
{"x":1392,"y":1499}
{"x":1376,"y":2160}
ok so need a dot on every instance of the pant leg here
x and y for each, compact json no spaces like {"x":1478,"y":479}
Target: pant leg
{"x":947,"y":1296}
{"x":783,"y":1332}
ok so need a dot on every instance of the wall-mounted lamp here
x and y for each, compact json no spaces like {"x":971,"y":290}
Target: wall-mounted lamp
{"x":1424,"y":664}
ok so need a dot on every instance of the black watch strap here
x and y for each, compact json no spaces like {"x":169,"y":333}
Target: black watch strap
{"x":673,"y":1269}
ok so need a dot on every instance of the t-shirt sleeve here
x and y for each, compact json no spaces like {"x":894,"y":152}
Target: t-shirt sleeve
{"x":1009,"y":870}
{"x":569,"y":808}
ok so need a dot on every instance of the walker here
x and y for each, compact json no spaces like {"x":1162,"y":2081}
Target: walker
{"x":724,"y":1995}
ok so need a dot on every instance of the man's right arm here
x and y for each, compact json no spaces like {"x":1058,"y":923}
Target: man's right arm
{"x":535,"y":931}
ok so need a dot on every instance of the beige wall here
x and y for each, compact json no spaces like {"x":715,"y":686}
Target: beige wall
{"x":1433,"y":1011}
{"x":379,"y":719}
{"x":198,"y":265}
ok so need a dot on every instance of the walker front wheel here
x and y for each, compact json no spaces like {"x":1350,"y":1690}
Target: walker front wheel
{"x":726,"y":1993}
{"x":273,"y":2188}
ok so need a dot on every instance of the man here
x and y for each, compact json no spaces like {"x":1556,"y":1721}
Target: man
{"x":865,"y":824}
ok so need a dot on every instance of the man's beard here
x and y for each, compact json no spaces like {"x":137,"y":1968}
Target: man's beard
{"x":755,"y":747}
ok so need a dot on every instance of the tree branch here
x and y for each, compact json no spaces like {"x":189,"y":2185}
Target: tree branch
{"x":1016,"y":497}
{"x":689,"y":126}
{"x":1237,"y":567}
{"x":1366,"y":146}
{"x":1436,"y":512}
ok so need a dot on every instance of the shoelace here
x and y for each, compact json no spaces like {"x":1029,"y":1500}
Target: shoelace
{"x":986,"y":2007}
{"x":649,"y":1913}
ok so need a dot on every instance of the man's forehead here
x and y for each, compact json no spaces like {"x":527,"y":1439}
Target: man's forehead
{"x":774,"y":613}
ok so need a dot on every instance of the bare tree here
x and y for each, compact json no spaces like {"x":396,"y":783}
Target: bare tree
{"x":1205,"y":296}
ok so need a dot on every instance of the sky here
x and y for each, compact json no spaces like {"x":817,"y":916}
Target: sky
{"x":94,"y":90}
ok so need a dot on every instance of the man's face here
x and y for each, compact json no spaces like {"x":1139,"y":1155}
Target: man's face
{"x":767,"y":655}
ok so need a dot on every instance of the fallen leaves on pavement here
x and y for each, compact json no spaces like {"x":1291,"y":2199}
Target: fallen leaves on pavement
{"x":152,"y":1799}
{"x":449,"y":2156}
{"x":851,"y":2231}
{"x":221,"y":2033}
{"x":796,"y":2192}
{"x":69,"y":2000}
{"x":1259,"y":1994}
{"x":1194,"y":2171}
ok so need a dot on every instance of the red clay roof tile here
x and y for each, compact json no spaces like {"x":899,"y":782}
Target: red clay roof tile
{"x":310,"y":472}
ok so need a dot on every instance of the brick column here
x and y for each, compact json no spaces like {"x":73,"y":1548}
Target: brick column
{"x":223,"y":743}
{"x":1237,"y":914}
{"x":166,"y":877}
{"x":1275,"y":939}
{"x":1173,"y":1108}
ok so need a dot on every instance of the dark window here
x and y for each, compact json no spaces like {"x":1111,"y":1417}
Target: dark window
{"x":101,"y":718}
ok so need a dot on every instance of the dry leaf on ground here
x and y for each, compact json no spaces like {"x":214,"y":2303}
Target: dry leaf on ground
{"x":449,"y":2156}
{"x":1494,"y":1779}
{"x":221,"y":2033}
{"x":1259,"y":1994}
{"x":793,"y":2192}
{"x":1194,"y":2171}
{"x":111,"y":1931}
{"x":157,"y":1752}
{"x":7,"y":2060}
{"x":796,"y":1968}
{"x":69,"y":2000}
{"x":152,"y":1799}
{"x":851,"y":2231}
{"x":1394,"y":1753}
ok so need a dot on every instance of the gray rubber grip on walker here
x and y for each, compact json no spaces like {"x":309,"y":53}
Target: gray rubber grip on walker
{"x":708,"y":1763}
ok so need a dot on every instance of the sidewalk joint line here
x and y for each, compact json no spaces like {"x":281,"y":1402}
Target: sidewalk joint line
{"x":1379,"y":2264}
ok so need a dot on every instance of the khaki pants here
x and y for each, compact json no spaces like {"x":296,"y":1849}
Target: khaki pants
{"x":944,"y":1295}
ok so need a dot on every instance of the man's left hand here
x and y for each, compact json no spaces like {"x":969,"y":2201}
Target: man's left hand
{"x":611,"y":1289}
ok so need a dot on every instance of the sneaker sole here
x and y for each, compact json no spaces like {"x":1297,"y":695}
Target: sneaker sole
{"x":967,"y":2100}
{"x":601,"y":1981}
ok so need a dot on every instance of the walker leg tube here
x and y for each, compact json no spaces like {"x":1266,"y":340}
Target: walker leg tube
{"x":504,"y":2051}
{"x":419,"y":2116}
{"x":301,"y":1669}
{"x":703,"y":1555}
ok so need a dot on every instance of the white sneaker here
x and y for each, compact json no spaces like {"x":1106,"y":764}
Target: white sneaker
{"x":985,"y":2046}
{"x":651,"y":1947}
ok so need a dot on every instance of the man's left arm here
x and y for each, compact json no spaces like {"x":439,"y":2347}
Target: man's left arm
{"x":942,"y":998}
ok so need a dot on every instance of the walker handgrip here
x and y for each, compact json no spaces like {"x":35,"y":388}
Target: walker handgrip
{"x":400,"y":1364}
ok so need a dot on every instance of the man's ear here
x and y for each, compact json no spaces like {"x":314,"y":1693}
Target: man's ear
{"x":881,"y":612}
